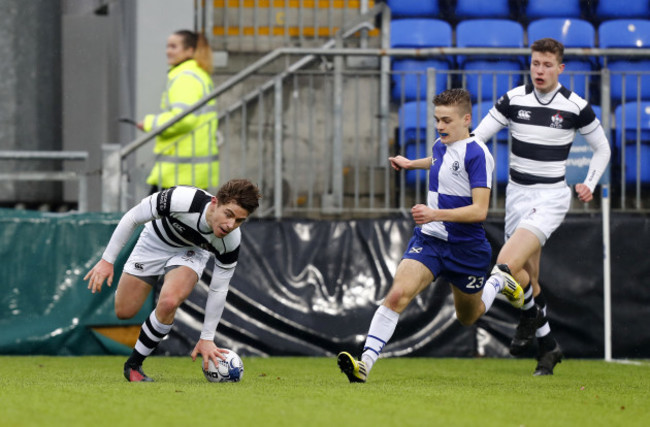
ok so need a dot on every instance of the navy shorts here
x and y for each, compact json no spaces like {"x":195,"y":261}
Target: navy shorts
{"x":463,"y":264}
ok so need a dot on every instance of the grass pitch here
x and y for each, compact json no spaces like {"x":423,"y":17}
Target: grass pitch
{"x":90,"y":391}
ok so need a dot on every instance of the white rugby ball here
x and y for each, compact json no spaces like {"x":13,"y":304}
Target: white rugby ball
{"x":229,"y":370}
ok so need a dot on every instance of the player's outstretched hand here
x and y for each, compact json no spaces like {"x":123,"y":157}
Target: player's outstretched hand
{"x":209,"y":350}
{"x":584,"y":193}
{"x":399,"y":162}
{"x":103,"y":270}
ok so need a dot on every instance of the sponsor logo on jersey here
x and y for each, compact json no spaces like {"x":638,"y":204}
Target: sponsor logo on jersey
{"x":138,"y":266}
{"x":178,"y":227}
{"x":556,"y":121}
{"x":415,"y":250}
{"x":523,"y":115}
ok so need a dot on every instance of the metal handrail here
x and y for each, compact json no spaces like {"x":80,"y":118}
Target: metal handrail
{"x":49,"y":175}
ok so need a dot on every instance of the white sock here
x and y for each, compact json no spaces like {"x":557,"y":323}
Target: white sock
{"x":493,"y":286}
{"x":381,"y":329}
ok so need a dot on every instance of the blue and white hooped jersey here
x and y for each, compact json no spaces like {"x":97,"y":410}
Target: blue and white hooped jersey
{"x":455,"y":170}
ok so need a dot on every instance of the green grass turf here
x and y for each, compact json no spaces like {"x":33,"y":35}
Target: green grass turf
{"x":90,"y":391}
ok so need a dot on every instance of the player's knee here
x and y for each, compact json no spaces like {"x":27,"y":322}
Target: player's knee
{"x":167,"y":304}
{"x":466,"y":319}
{"x":124,"y":313}
{"x":395,"y":300}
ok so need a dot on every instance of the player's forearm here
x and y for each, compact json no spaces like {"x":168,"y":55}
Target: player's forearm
{"x":213,"y":311}
{"x":424,"y":163}
{"x":136,"y":216}
{"x":602,"y":153}
{"x":467,"y":214}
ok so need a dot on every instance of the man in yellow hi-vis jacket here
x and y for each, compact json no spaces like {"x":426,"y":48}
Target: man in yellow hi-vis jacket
{"x":186,"y":152}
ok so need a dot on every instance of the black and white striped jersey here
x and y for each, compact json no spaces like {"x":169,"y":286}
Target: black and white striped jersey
{"x":542,"y":132}
{"x":179,"y":214}
{"x":176,"y":218}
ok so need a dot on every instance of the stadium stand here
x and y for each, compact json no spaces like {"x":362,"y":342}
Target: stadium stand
{"x":572,"y":32}
{"x":482,"y":84}
{"x":409,"y":74}
{"x":632,"y":123}
{"x":625,"y":79}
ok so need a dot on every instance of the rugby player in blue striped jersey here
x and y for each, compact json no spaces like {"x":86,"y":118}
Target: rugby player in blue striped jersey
{"x":449,"y":240}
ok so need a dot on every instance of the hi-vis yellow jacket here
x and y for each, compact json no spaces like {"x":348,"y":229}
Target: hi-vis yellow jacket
{"x":186,"y":153}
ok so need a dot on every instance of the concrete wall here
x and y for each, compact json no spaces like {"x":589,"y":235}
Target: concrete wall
{"x":30,"y":93}
{"x":114,"y":66}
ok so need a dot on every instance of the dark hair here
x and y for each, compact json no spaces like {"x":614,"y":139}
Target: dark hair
{"x":242,"y":192}
{"x":549,"y":45}
{"x":455,"y":97}
{"x":202,"y":50}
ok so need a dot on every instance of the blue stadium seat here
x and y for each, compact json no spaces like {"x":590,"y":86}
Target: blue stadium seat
{"x":627,"y":33}
{"x":553,"y":8}
{"x":414,"y":8}
{"x":412,"y":151}
{"x":628,"y":128}
{"x":488,"y":80}
{"x":572,"y":33}
{"x":490,"y":70}
{"x":413,"y":121}
{"x":500,"y":153}
{"x":612,"y":9}
{"x":416,"y":33}
{"x":489,"y":33}
{"x":413,"y":131}
{"x":409,"y":78}
{"x":482,"y":9}
{"x":409,"y":74}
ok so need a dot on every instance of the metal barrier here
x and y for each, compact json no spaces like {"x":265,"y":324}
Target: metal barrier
{"x":49,"y":175}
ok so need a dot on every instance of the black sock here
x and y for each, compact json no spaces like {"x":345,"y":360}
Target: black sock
{"x":540,"y":300}
{"x":546,"y":343}
{"x":135,"y":359}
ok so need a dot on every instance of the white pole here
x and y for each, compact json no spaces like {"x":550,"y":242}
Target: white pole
{"x":607,"y":283}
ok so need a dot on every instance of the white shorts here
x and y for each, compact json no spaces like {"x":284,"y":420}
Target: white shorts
{"x":540,"y":210}
{"x":150,"y":258}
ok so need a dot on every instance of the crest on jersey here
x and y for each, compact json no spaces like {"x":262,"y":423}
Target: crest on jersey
{"x":415,"y":250}
{"x":556,"y":120}
{"x":455,"y":167}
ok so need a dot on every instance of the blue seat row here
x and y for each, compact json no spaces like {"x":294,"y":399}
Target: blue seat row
{"x":409,"y":80}
{"x":521,"y":10}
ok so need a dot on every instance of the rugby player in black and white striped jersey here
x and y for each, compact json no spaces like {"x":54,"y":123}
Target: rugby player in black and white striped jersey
{"x":543,"y":118}
{"x":184,"y":227}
